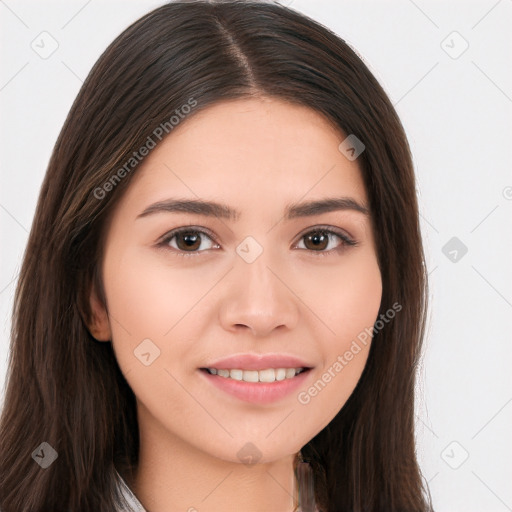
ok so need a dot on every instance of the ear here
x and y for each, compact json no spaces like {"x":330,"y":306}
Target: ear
{"x":99,"y":325}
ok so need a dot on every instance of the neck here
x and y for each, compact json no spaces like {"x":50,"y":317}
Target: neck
{"x":174,"y":476}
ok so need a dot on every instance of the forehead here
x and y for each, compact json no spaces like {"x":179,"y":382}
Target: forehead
{"x":250,"y":152}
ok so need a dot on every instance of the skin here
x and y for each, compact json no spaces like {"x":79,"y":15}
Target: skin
{"x":257,"y":156}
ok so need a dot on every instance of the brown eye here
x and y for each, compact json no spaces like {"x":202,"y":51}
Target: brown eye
{"x":189,"y":241}
{"x":316,"y":240}
{"x":319,"y":241}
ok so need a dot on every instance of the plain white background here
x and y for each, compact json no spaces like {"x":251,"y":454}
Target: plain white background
{"x":446,"y":67}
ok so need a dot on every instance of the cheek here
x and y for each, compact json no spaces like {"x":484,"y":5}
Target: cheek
{"x":357,"y":294}
{"x":346,"y":297}
{"x":157,"y":312}
{"x":144,"y":304}
{"x":148,"y":304}
{"x":349,"y":304}
{"x":147,"y":297}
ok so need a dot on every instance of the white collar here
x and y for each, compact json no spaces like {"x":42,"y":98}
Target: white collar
{"x":131,"y":503}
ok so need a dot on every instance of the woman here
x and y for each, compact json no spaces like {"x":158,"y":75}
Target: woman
{"x":222,"y":300}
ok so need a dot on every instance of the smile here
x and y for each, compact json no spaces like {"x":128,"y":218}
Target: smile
{"x":267,"y":375}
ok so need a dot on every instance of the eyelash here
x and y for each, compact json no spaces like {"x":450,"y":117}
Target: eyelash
{"x":346,"y":241}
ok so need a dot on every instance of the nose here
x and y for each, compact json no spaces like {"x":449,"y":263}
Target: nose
{"x":258,"y":297}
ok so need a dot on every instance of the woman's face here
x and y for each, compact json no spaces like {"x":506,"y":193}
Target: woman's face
{"x":259,"y":283}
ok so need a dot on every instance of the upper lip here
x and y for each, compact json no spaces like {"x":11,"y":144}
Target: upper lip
{"x":258,"y":362}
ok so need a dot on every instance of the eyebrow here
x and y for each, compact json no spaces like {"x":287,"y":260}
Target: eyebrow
{"x":292,"y":211}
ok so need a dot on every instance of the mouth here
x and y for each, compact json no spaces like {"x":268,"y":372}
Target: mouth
{"x":267,"y":375}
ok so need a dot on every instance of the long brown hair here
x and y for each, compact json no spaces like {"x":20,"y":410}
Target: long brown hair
{"x":67,"y":390}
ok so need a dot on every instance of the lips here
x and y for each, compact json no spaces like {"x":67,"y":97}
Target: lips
{"x":261,"y":392}
{"x":258,"y":362}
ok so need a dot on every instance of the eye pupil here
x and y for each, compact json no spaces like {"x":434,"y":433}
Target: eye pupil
{"x":317,"y":238}
{"x":190,"y":240}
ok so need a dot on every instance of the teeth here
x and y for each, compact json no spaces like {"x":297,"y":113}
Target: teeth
{"x":268,"y":375}
{"x":290,"y":372}
{"x":281,"y":373}
{"x":249,"y":375}
{"x":235,"y":374}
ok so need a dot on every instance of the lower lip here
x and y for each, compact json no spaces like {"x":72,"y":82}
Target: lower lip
{"x":257,"y":392}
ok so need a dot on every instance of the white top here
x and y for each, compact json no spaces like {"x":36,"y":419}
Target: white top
{"x":132,"y":504}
